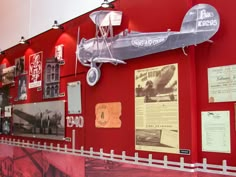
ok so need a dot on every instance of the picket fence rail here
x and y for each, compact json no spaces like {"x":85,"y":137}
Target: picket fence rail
{"x":180,"y":166}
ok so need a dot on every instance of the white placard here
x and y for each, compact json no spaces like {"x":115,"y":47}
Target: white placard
{"x":222,"y":83}
{"x":74,"y":97}
{"x":216,"y":131}
{"x":7,"y":112}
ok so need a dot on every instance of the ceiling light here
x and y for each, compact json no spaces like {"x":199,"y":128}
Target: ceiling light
{"x":107,"y":4}
{"x":23,"y":41}
{"x":56,"y":25}
{"x":2,"y":53}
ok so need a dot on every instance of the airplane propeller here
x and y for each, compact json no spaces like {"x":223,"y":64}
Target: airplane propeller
{"x":77,"y":50}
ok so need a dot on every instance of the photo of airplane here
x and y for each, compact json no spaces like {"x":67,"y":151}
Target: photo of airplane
{"x":200,"y":23}
{"x":39,"y":122}
{"x":160,"y":86}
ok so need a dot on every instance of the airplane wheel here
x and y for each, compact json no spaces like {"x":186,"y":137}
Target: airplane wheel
{"x":93,"y":76}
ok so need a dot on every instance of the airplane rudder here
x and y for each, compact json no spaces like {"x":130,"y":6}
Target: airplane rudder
{"x":201,"y":17}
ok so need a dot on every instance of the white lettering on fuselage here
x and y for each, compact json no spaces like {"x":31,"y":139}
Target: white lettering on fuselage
{"x":207,"y":23}
{"x":147,"y":42}
{"x":203,"y":16}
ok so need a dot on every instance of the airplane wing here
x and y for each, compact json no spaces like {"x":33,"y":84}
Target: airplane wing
{"x":108,"y":60}
{"x":25,"y":116}
{"x":106,"y":18}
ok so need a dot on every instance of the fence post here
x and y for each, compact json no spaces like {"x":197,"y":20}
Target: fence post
{"x":224,"y":167}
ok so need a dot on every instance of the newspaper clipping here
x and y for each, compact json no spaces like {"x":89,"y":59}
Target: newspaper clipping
{"x":156,"y":109}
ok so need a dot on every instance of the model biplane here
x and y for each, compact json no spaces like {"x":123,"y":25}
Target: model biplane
{"x":200,"y":23}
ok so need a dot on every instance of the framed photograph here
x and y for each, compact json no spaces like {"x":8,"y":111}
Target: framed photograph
{"x":4,"y":98}
{"x":20,"y":66}
{"x":59,"y":49}
{"x":51,"y":79}
{"x":7,"y":112}
{"x":6,"y":125}
{"x":8,"y":75}
{"x":40,"y":120}
{"x":22,"y":87}
{"x":2,"y":66}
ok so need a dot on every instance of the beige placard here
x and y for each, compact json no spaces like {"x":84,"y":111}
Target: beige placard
{"x":108,"y":115}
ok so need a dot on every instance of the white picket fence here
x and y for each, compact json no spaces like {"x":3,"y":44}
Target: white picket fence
{"x":180,"y":166}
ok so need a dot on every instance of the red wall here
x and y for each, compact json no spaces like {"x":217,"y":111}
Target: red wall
{"x":219,"y":53}
{"x":117,"y":82}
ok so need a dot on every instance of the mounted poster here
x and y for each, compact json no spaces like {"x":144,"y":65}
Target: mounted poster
{"x":156,"y":109}
{"x":40,"y":120}
{"x":222,"y":83}
{"x":35,"y":70}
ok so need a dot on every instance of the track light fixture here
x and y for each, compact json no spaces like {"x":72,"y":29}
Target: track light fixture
{"x":56,"y":25}
{"x":107,"y":4}
{"x":23,"y":41}
{"x":2,"y":53}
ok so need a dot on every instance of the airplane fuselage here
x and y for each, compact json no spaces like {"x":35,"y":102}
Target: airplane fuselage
{"x":135,"y":44}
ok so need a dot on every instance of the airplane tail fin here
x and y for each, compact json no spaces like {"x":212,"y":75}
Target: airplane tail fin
{"x":202,"y":19}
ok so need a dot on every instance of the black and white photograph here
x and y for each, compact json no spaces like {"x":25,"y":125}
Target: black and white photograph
{"x":7,"y":111}
{"x":51,"y":79}
{"x":59,"y":54}
{"x":20,"y":65}
{"x":8,"y":75}
{"x":22,"y":87}
{"x":2,"y":66}
{"x":148,"y":137}
{"x":40,"y":120}
{"x":157,"y":85}
{"x":6,"y":125}
{"x":4,"y":97}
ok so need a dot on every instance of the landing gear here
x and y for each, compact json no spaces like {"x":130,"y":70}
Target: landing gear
{"x":93,"y":76}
